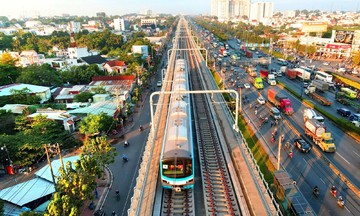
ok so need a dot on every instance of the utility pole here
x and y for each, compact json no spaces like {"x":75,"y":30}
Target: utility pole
{"x":278,"y":155}
{"x":60,"y":156}
{"x":49,"y":163}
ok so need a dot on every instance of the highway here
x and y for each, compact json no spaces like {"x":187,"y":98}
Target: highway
{"x":309,"y":169}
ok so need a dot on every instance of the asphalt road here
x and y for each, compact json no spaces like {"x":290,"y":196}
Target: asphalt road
{"x":308,"y":169}
{"x":125,"y":173}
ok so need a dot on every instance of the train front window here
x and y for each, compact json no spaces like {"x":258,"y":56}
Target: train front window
{"x":177,"y":168}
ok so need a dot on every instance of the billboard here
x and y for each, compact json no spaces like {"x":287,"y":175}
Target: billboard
{"x":346,"y":37}
{"x":314,"y":27}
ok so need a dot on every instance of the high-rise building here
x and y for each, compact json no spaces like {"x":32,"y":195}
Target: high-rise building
{"x":261,"y":11}
{"x":119,"y":24}
{"x":229,"y":9}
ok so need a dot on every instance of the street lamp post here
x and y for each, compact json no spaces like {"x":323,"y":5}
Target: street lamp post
{"x":3,"y":148}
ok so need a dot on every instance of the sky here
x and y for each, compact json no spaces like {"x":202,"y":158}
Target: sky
{"x":16,"y":8}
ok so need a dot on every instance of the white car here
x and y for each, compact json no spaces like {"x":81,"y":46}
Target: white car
{"x":247,"y":85}
{"x":326,"y":63}
{"x":342,"y":70}
{"x":261,"y":100}
{"x":159,"y":84}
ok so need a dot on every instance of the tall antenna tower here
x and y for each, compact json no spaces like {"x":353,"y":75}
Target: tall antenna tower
{"x":72,"y":38}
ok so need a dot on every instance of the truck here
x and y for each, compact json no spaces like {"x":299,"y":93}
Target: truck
{"x":249,"y":54}
{"x":252,"y":71}
{"x":271,"y":79}
{"x":283,"y":69}
{"x":302,"y":74}
{"x":341,"y":98}
{"x":311,"y":114}
{"x":264,"y":74}
{"x":311,"y":92}
{"x":282,"y":102}
{"x":317,"y":132}
{"x":291,"y":74}
{"x":257,"y":82}
{"x":320,"y":85}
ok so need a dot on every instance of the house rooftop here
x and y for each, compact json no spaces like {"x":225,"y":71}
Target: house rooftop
{"x":95,"y":59}
{"x":6,"y":90}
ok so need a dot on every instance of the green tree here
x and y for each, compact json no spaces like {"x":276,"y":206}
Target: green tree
{"x":95,"y":124}
{"x":101,"y":149}
{"x":8,"y":73}
{"x":42,"y":75}
{"x":83,"y":97}
{"x":61,"y":204}
{"x":99,"y":89}
{"x":23,"y":96}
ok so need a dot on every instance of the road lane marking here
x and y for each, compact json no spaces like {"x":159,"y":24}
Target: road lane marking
{"x":343,"y":158}
{"x":347,"y":209}
{"x":305,"y":160}
{"x":356,"y":154}
{"x":322,"y":180}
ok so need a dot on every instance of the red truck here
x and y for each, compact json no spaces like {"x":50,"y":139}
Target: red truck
{"x":249,"y":54}
{"x":264,"y":74}
{"x":291,"y":74}
{"x":282,"y":102}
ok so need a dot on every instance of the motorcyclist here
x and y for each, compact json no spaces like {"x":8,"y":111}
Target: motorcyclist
{"x":117,"y":192}
{"x":126,"y":143}
{"x":124,"y":157}
{"x":140,"y":128}
{"x":290,"y":153}
{"x":340,"y":199}
{"x":316,"y":189}
{"x":333,"y":190}
{"x":113,"y":213}
{"x":287,"y":144}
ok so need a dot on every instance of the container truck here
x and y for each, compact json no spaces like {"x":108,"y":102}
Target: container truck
{"x":317,"y":132}
{"x":291,"y":74}
{"x":257,"y":82}
{"x":320,"y":85}
{"x":311,"y":92}
{"x":282,"y":102}
{"x":302,"y":74}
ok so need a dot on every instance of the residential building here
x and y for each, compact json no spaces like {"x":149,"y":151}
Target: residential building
{"x":148,"y":22}
{"x":61,"y":116}
{"x":41,"y":91}
{"x":261,"y":12}
{"x":119,"y":24}
{"x":141,"y":49}
{"x":15,"y":108}
{"x":79,"y":52}
{"x":74,"y":26}
{"x":66,"y":95}
{"x":230,"y":9}
{"x":115,"y":66}
{"x":94,"y":59}
{"x":32,"y":23}
{"x":30,"y":57}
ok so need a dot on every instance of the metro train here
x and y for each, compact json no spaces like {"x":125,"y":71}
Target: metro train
{"x":177,"y":155}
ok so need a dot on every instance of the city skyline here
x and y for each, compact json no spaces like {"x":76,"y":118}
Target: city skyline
{"x":113,"y":7}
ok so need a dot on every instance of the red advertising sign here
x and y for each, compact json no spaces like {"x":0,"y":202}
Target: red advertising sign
{"x":338,"y":46}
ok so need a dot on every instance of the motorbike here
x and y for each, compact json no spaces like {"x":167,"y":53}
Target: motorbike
{"x":126,"y":143}
{"x":341,"y":203}
{"x":141,"y":128}
{"x":333,"y":193}
{"x":290,"y":154}
{"x":125,"y":159}
{"x":316,"y":192}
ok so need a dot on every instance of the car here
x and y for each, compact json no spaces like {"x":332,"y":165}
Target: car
{"x":159,"y":83}
{"x":356,"y":123}
{"x":261,"y":100}
{"x":344,"y":112}
{"x":247,"y":85}
{"x":275,"y":113}
{"x":302,"y":145}
{"x":342,"y":70}
{"x":326,"y":63}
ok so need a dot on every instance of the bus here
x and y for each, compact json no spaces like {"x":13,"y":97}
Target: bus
{"x":349,"y":93}
{"x":320,"y":75}
{"x":281,"y":62}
